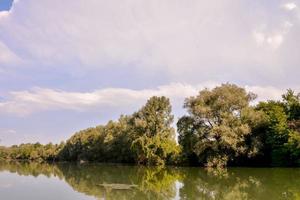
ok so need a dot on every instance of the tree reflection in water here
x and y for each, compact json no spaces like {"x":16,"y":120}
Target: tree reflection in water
{"x":98,"y":180}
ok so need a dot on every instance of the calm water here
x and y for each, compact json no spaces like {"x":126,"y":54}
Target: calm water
{"x":34,"y":181}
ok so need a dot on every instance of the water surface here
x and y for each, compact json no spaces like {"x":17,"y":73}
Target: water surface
{"x":35,"y":181}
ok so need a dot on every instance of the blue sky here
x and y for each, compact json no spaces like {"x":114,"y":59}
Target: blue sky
{"x":65,"y":68}
{"x":5,"y":4}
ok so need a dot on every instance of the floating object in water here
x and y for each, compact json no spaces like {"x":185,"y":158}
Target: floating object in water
{"x":118,"y":186}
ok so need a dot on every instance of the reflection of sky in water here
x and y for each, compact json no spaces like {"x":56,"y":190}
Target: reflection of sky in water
{"x":178,"y":186}
{"x":15,"y":187}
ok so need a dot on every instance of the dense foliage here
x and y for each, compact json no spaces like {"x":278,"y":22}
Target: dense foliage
{"x":222,"y":127}
{"x":35,"y":151}
{"x":145,"y":137}
{"x":282,"y":135}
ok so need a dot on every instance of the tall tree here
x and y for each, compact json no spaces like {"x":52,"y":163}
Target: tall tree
{"x":154,"y":138}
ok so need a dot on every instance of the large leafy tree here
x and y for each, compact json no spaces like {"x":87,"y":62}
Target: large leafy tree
{"x":220,"y":126}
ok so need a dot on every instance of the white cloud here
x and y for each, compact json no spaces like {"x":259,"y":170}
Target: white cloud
{"x":273,"y":41}
{"x":43,"y":99}
{"x":184,"y":39}
{"x":7,"y":131}
{"x":259,"y":37}
{"x":130,"y":42}
{"x":3,"y":14}
{"x":290,"y":6}
{"x":265,"y":93}
{"x":273,"y":38}
{"x":7,"y":56}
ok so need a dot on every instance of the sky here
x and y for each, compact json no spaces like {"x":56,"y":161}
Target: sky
{"x":5,"y":5}
{"x":72,"y":65}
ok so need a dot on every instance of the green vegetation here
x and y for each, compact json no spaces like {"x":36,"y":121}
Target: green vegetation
{"x":145,"y":137}
{"x":282,"y":135}
{"x":35,"y":151}
{"x":222,"y":127}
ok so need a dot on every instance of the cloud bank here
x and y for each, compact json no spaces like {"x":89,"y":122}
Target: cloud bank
{"x":26,"y":102}
{"x":190,"y":41}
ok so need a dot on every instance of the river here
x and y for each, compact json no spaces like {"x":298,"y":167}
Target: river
{"x":62,"y":181}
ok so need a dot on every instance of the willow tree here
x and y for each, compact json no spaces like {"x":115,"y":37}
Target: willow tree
{"x":154,"y":138}
{"x":220,"y":126}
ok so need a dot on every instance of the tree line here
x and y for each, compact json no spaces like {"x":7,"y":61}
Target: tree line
{"x":222,"y":127}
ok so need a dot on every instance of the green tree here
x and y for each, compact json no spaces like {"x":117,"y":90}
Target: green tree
{"x":154,"y":138}
{"x":277,"y":132}
{"x":146,"y":137}
{"x":282,"y":145}
{"x":291,"y":103}
{"x":221,"y":125}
